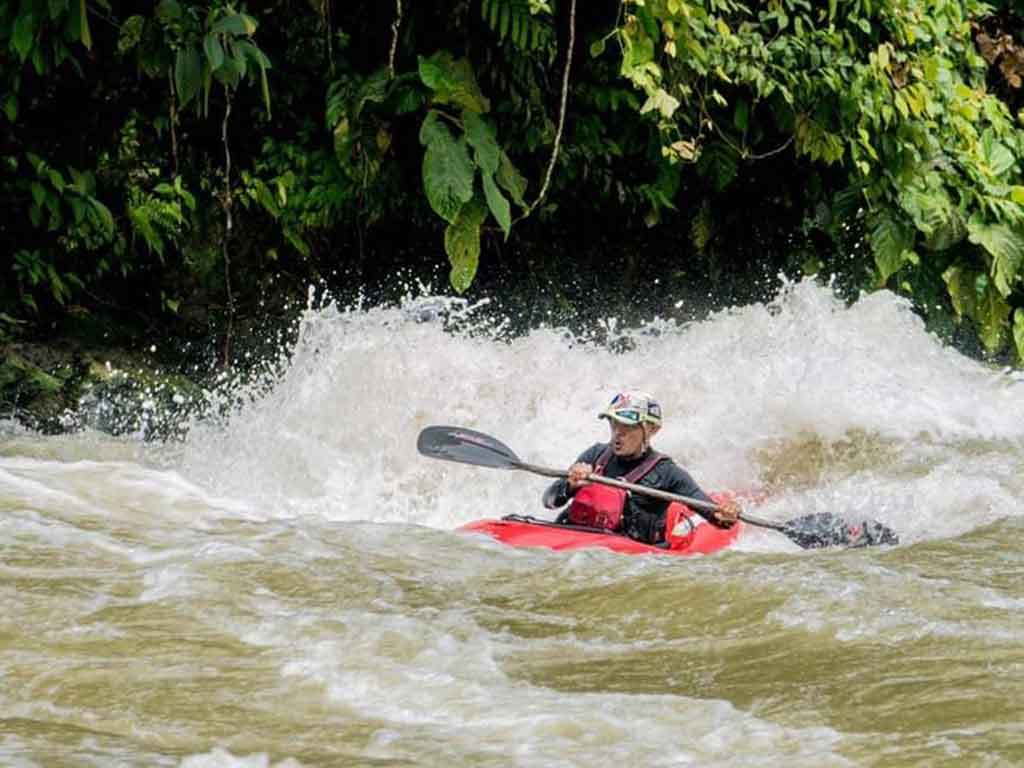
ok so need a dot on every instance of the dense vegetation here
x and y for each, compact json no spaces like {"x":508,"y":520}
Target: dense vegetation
{"x":193,"y":164}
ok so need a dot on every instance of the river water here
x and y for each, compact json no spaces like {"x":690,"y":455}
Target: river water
{"x":285,"y":587}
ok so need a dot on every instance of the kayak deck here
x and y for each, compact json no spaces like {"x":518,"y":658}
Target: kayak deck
{"x":691,"y":535}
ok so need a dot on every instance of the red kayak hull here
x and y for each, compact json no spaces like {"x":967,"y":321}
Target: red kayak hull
{"x":695,"y":536}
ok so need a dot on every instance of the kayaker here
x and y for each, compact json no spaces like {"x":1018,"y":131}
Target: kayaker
{"x":634,"y":418}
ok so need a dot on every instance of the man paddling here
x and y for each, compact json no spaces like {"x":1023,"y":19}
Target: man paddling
{"x":633,"y":418}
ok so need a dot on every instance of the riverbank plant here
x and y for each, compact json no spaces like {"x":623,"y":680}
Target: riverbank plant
{"x":186,"y":161}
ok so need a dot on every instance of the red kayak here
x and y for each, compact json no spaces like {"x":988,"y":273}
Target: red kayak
{"x":689,"y":534}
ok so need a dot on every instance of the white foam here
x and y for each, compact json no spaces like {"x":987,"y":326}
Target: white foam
{"x":335,"y":435}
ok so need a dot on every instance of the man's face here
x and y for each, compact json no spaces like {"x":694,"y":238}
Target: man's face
{"x":626,"y":439}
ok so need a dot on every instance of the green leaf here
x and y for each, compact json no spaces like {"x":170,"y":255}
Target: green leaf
{"x":741,"y":116}
{"x":720,"y":163}
{"x":254,"y":54}
{"x":998,"y":157}
{"x":39,"y":60}
{"x":131,"y":33}
{"x":934,"y":214}
{"x":56,"y":179}
{"x":891,"y":243}
{"x":188,"y":71}
{"x":1018,"y":334}
{"x":660,"y":100}
{"x":23,"y":35}
{"x":106,"y":220}
{"x":597,"y":48}
{"x":499,"y":206}
{"x":214,"y":51}
{"x":257,"y":57}
{"x":77,"y":208}
{"x":960,"y":285}
{"x":266,"y":199}
{"x":237,"y":24}
{"x":462,"y":244}
{"x":1006,"y":247}
{"x":297,"y":242}
{"x":481,"y":137}
{"x":433,"y":129}
{"x":168,"y":11}
{"x":447,"y":173}
{"x":265,"y":89}
{"x":38,"y":193}
{"x":11,"y":107}
{"x":452,"y":81}
{"x":512,"y":181}
{"x":991,"y":315}
{"x":80,"y":22}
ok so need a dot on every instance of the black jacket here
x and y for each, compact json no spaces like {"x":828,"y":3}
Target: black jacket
{"x":643,"y":518}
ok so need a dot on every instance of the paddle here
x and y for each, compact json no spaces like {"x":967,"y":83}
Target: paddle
{"x":467,"y":446}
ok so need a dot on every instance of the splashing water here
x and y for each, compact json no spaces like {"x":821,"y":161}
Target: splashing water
{"x":284,"y":587}
{"x":745,"y":393}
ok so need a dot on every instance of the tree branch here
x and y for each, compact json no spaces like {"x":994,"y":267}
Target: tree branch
{"x":394,"y":38}
{"x":226,"y":202}
{"x":561,"y":113}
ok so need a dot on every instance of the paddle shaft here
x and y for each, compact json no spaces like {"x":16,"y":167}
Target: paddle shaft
{"x":643,"y":489}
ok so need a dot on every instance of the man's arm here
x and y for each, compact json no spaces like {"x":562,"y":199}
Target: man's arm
{"x":683,"y":484}
{"x":558,"y":493}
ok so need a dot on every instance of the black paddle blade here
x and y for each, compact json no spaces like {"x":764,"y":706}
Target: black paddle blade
{"x":826,"y":530}
{"x":466,"y":446}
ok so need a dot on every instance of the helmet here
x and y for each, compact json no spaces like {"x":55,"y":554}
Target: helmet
{"x":633,"y":407}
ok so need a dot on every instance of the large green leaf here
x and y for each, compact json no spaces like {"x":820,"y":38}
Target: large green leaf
{"x":462,"y":243}
{"x":998,"y":156}
{"x":512,"y":181}
{"x":447,"y":173}
{"x":960,"y":283}
{"x":249,"y":51}
{"x":498,"y":204}
{"x":891,"y":243}
{"x":238,"y":24}
{"x":452,"y":81}
{"x":1006,"y":247}
{"x":214,"y":51}
{"x":188,"y":73}
{"x":373,"y":90}
{"x":253,"y":54}
{"x":991,"y":316}
{"x":23,"y":35}
{"x":432,"y":129}
{"x":934,"y":214}
{"x":482,"y":138}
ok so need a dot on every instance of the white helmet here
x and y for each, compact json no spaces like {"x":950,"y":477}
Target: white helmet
{"x":633,"y":407}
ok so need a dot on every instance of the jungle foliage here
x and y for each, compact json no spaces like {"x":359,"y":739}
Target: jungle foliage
{"x":177,"y":158}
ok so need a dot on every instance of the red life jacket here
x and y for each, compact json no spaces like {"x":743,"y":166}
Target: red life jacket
{"x":601,"y":506}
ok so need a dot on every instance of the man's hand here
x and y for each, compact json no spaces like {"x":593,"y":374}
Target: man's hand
{"x":727,"y":514}
{"x":578,"y":473}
